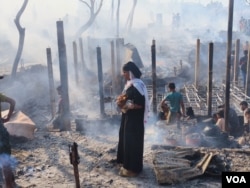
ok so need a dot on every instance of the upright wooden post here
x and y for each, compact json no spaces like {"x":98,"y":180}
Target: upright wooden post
{"x":100,"y":79}
{"x":119,"y":46}
{"x":63,"y":76}
{"x":83,"y":65}
{"x":210,"y":79}
{"x":75,"y":160}
{"x":75,"y":63}
{"x":51,"y":83}
{"x":81,"y":53}
{"x":113,"y":68}
{"x":153,"y":54}
{"x":229,"y":49}
{"x":197,"y":64}
{"x":236,"y":62}
{"x":247,"y":89}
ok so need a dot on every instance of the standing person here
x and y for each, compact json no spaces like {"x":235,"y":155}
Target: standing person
{"x":244,"y":108}
{"x":5,"y":147}
{"x":176,"y":104}
{"x":131,"y":133}
{"x":4,"y":135}
{"x":11,"y":103}
{"x":243,"y":67}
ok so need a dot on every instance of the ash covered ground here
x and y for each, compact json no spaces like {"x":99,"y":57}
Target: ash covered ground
{"x":44,"y":161}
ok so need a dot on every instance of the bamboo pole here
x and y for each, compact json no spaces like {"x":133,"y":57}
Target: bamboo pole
{"x":236,"y":62}
{"x":63,"y":76}
{"x":100,"y":79}
{"x":197,"y":64}
{"x":51,"y":83}
{"x":113,"y":68}
{"x":210,"y":79}
{"x":75,"y":63}
{"x":153,"y":54}
{"x":247,"y":89}
{"x":229,"y":49}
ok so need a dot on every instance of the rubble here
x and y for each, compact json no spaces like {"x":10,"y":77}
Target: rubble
{"x":173,"y":165}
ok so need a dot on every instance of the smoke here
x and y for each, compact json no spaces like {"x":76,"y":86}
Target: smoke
{"x":152,"y":20}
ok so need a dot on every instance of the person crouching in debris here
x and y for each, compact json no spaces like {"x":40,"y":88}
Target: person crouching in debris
{"x":163,"y":110}
{"x":233,"y":121}
{"x":134,"y":115}
{"x":176,"y":105}
{"x":221,"y":121}
{"x":57,"y":121}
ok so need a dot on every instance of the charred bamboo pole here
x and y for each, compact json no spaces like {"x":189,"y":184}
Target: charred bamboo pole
{"x":113,"y":65}
{"x":83,"y":65}
{"x":153,"y":54}
{"x":9,"y":178}
{"x":100,"y":79}
{"x":197,"y":64}
{"x":203,"y":166}
{"x":119,"y":45}
{"x":229,"y":49}
{"x":63,"y":75}
{"x":236,"y":62}
{"x":81,"y":52}
{"x":75,"y":160}
{"x":247,"y":90}
{"x":51,"y":83}
{"x":75,"y":63}
{"x":210,"y":78}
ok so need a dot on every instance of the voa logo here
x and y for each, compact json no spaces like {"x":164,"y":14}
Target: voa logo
{"x":236,"y":179}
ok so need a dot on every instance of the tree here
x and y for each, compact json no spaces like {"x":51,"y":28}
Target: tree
{"x":21,"y":39}
{"x":92,"y":17}
{"x":129,"y":23}
{"x":118,"y":18}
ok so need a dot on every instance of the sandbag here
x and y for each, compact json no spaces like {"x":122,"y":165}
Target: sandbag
{"x":19,"y":125}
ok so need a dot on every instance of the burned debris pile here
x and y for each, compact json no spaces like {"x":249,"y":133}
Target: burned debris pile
{"x":178,"y":164}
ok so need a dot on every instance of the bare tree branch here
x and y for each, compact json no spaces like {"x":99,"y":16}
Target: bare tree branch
{"x":118,"y":18}
{"x":92,"y":17}
{"x":21,"y":38}
{"x":85,"y":3}
{"x":131,"y":17}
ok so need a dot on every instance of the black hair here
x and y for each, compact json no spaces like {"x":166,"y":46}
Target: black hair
{"x":131,"y":66}
{"x":244,"y":103}
{"x":221,"y":113}
{"x":171,"y":85}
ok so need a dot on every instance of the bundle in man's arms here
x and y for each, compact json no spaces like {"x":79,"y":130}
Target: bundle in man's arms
{"x":123,"y":103}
